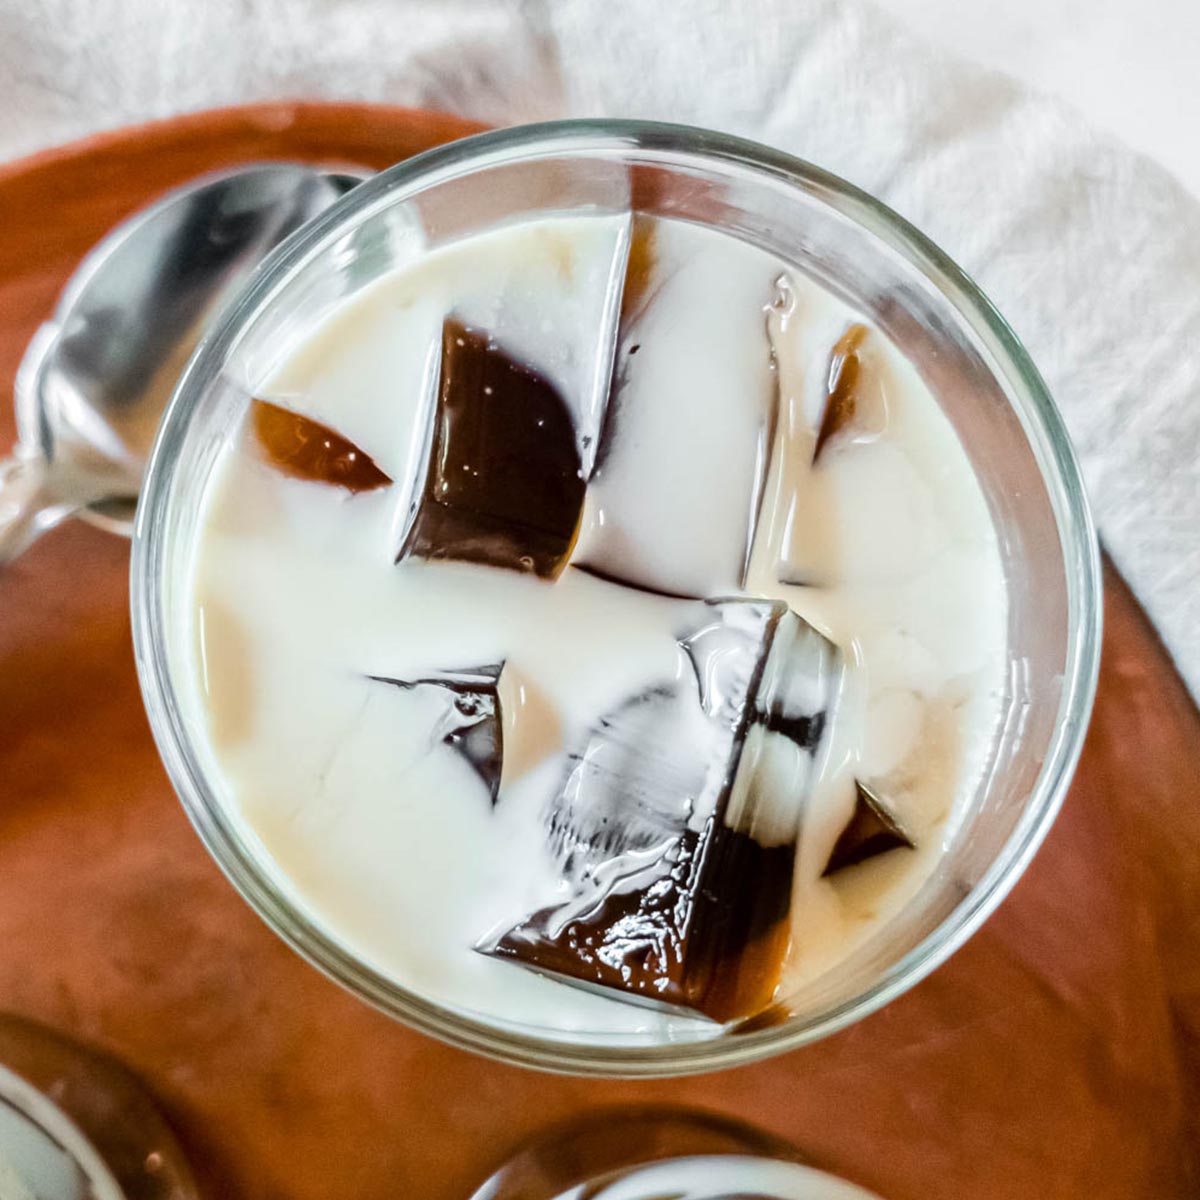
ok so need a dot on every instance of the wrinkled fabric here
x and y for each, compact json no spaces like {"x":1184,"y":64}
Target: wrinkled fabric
{"x":1090,"y":250}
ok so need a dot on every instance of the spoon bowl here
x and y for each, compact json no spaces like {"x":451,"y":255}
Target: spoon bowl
{"x":97,"y":376}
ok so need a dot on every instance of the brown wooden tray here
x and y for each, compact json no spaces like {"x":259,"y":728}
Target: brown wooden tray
{"x":1057,"y":1056}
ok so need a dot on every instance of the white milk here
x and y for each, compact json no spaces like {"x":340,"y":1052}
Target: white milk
{"x":394,"y":849}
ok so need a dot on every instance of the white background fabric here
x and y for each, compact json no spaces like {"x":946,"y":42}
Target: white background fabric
{"x":1091,"y":250}
{"x":1129,"y":65}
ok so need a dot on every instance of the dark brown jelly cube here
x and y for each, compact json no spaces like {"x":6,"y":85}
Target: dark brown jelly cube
{"x":305,"y":449}
{"x":841,"y":389}
{"x":503,"y":483}
{"x":640,"y":266}
{"x":676,"y":823}
{"x":688,"y":940}
{"x":871,"y":831}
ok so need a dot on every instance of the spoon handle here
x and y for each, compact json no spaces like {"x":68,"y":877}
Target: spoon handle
{"x":28,"y":504}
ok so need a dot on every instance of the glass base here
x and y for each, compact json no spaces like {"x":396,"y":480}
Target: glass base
{"x":652,"y":1153}
{"x":75,"y":1122}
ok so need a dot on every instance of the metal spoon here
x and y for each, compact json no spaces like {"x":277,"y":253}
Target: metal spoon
{"x":97,"y":376}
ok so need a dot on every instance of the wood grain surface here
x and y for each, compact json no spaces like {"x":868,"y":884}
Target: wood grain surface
{"x":1056,"y":1056}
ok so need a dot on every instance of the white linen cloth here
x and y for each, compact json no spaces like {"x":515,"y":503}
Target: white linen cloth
{"x":1090,"y":250}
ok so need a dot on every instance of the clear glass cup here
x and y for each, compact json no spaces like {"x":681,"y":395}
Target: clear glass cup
{"x":856,"y":247}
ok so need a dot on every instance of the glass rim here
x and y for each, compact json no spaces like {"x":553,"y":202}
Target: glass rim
{"x":1043,"y":428}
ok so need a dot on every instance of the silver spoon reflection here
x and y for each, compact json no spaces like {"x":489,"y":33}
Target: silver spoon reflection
{"x":97,"y":376}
